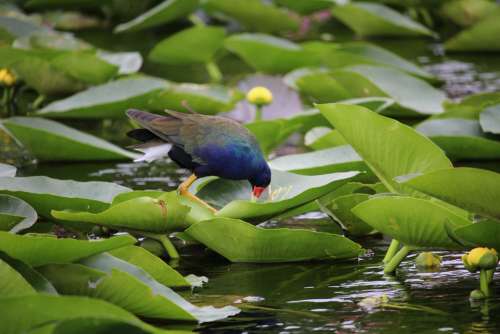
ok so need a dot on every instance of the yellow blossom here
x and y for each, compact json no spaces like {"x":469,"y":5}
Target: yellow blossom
{"x":481,"y":257}
{"x":7,"y":78}
{"x":260,"y":96}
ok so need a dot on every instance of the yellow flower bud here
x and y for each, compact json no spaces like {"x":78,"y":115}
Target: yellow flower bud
{"x":7,"y":78}
{"x":428,"y":260}
{"x":260,"y":96}
{"x":483,"y":258}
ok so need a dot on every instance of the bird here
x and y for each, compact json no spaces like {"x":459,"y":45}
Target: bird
{"x":205,"y":145}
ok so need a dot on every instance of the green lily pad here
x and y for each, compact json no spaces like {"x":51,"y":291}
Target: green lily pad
{"x":481,"y":234}
{"x":467,"y":12}
{"x":38,"y":250}
{"x":461,"y":139}
{"x":255,"y":15}
{"x":151,"y":264}
{"x":305,"y":7}
{"x":268,"y":53}
{"x":239,"y":241}
{"x":373,"y":19}
{"x":164,"y":12}
{"x":338,"y":159}
{"x":473,"y":189}
{"x":22,"y":313}
{"x":489,"y":119}
{"x":15,"y":214}
{"x":92,"y":325}
{"x":280,"y":128}
{"x":127,"y":62}
{"x":190,"y":46}
{"x":287,"y":190}
{"x":405,"y":90}
{"x":479,"y":37}
{"x":17,"y":27}
{"x":46,"y":194}
{"x":7,"y":170}
{"x":340,"y":210}
{"x":129,"y":287}
{"x":415,"y":222}
{"x":388,"y":147}
{"x":13,"y":283}
{"x":52,"y":141}
{"x":322,"y":138}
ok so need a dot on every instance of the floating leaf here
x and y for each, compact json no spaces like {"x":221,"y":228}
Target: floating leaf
{"x":467,"y":12}
{"x":17,"y":27}
{"x":413,"y":221}
{"x":20,"y":314}
{"x":13,"y":283}
{"x":242,"y":242}
{"x":305,"y":7}
{"x":127,"y":62}
{"x":7,"y":170}
{"x":340,"y":210}
{"x":280,"y":128}
{"x":15,"y":214}
{"x":373,"y":19}
{"x":52,"y":141}
{"x":490,"y":119}
{"x":388,"y":147}
{"x":287,"y":190}
{"x":255,"y":15}
{"x":38,"y":250}
{"x":338,"y":159}
{"x":481,"y":234}
{"x":193,"y":45}
{"x":473,"y":189}
{"x":323,"y":138}
{"x":164,"y":12}
{"x":151,"y":264}
{"x":46,"y":194}
{"x":461,"y":139}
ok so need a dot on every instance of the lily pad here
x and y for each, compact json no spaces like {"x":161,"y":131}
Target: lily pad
{"x":415,"y":222}
{"x":7,"y":170}
{"x":13,"y":283}
{"x":490,"y":119}
{"x":467,"y":12}
{"x":387,"y":146}
{"x":287,"y":190}
{"x":255,"y":15}
{"x":38,"y":250}
{"x":305,"y":7}
{"x":340,"y":210}
{"x":22,"y":313}
{"x":190,"y":46}
{"x":479,"y":37}
{"x":321,"y":138}
{"x":127,"y":62}
{"x":164,"y":12}
{"x":239,"y":241}
{"x":338,"y":159}
{"x":15,"y":214}
{"x":280,"y":128}
{"x":481,"y":234}
{"x":151,"y":264}
{"x":461,"y":139}
{"x":130,"y":287}
{"x":373,"y":19}
{"x":52,"y":141}
{"x":473,"y":189}
{"x":46,"y":194}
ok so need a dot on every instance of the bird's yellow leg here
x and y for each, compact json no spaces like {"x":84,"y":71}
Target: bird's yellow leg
{"x":184,"y":191}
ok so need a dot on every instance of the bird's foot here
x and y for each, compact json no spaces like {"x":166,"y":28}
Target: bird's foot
{"x":187,"y":194}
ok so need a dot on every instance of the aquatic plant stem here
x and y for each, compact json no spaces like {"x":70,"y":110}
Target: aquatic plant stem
{"x":490,"y":272}
{"x":258,"y":113}
{"x":484,"y":282}
{"x":391,"y":251}
{"x":391,"y":266}
{"x":214,"y":72}
{"x":166,"y":243}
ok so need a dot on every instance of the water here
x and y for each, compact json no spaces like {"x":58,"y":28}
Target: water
{"x":323,"y":297}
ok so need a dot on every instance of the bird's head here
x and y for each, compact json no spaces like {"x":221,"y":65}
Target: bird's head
{"x":260,"y":180}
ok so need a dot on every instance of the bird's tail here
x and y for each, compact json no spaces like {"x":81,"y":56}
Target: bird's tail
{"x":142,"y":117}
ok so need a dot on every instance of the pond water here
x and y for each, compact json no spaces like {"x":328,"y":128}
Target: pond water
{"x":323,"y":297}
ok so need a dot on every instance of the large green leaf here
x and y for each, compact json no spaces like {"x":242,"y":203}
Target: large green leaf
{"x":481,"y":234}
{"x":255,"y":15}
{"x":164,"y":12}
{"x":490,"y":119}
{"x":479,"y":37}
{"x":151,"y":264}
{"x":37,"y":250}
{"x":461,"y":139}
{"x":467,"y":12}
{"x":17,"y":27}
{"x":405,"y":90}
{"x":286,"y":191}
{"x":15,"y":214}
{"x":242,"y":242}
{"x":20,"y":314}
{"x":473,"y":189}
{"x":127,"y":62}
{"x":130,"y":287}
{"x":13,"y":283}
{"x":340,"y":210}
{"x":413,"y":221}
{"x":338,"y":159}
{"x":44,"y":4}
{"x":268,"y":53}
{"x":165,"y":213}
{"x":280,"y":128}
{"x":373,"y":19}
{"x":321,"y":138}
{"x":387,"y":146}
{"x":48,"y":140}
{"x":46,"y":194}
{"x":190,"y":46}
{"x":7,"y":170}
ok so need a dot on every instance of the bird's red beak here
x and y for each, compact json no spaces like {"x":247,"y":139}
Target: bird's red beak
{"x":257,"y":191}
